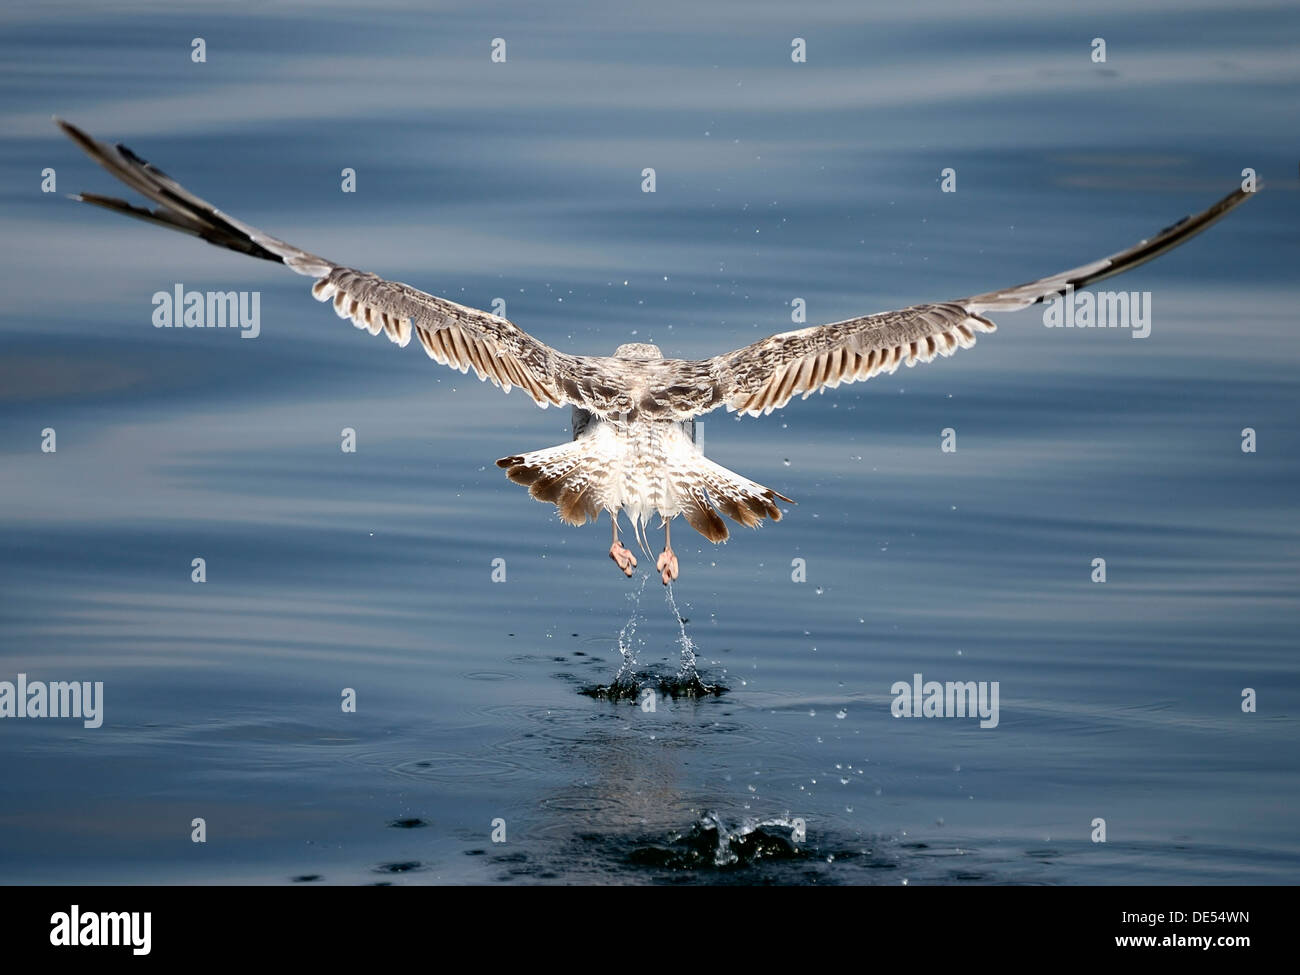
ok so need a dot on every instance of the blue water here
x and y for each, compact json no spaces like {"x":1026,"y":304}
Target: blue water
{"x":522,"y":181}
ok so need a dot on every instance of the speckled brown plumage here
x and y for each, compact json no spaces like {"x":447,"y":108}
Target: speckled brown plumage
{"x":633,"y":448}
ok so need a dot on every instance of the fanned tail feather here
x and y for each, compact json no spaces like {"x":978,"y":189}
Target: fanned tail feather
{"x":570,"y":477}
{"x":707,"y":486}
{"x":563,"y":475}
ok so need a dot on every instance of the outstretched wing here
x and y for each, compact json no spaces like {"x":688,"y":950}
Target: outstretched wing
{"x":453,"y":335}
{"x":764,"y":376}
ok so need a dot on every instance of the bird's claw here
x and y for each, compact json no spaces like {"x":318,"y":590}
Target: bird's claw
{"x":667,"y":566}
{"x":623,"y":558}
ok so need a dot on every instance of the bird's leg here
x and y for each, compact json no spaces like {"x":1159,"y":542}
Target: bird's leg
{"x":623,"y":558}
{"x":667,"y":564}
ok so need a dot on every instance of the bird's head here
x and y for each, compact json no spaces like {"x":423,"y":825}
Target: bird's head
{"x":638,"y":350}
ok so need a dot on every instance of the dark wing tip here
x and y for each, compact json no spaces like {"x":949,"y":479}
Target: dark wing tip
{"x":75,"y":134}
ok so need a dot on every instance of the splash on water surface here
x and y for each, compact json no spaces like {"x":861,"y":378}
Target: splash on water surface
{"x":711,"y":843}
{"x":630,"y":685}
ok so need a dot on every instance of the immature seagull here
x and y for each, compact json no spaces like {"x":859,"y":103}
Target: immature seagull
{"x":633,"y":447}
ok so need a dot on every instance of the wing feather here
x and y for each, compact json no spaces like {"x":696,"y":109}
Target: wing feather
{"x":764,"y":376}
{"x":756,"y":379}
{"x":451,"y":334}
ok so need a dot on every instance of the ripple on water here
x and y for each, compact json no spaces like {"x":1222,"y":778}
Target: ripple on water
{"x":454,"y":769}
{"x":549,"y":723}
{"x":586,"y":803}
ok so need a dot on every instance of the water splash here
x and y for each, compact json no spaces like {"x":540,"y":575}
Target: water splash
{"x":628,"y":685}
{"x":687,"y":673}
{"x":711,"y":843}
{"x":628,"y":631}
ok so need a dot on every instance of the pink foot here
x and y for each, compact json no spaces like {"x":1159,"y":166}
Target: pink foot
{"x":624,"y":559}
{"x":667,"y":566}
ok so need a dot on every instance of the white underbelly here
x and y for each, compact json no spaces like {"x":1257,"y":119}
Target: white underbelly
{"x":638,"y":459}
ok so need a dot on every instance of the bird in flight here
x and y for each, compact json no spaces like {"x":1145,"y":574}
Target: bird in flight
{"x":633,"y":449}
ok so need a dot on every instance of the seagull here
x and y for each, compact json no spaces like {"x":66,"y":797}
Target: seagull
{"x":633,"y":449}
